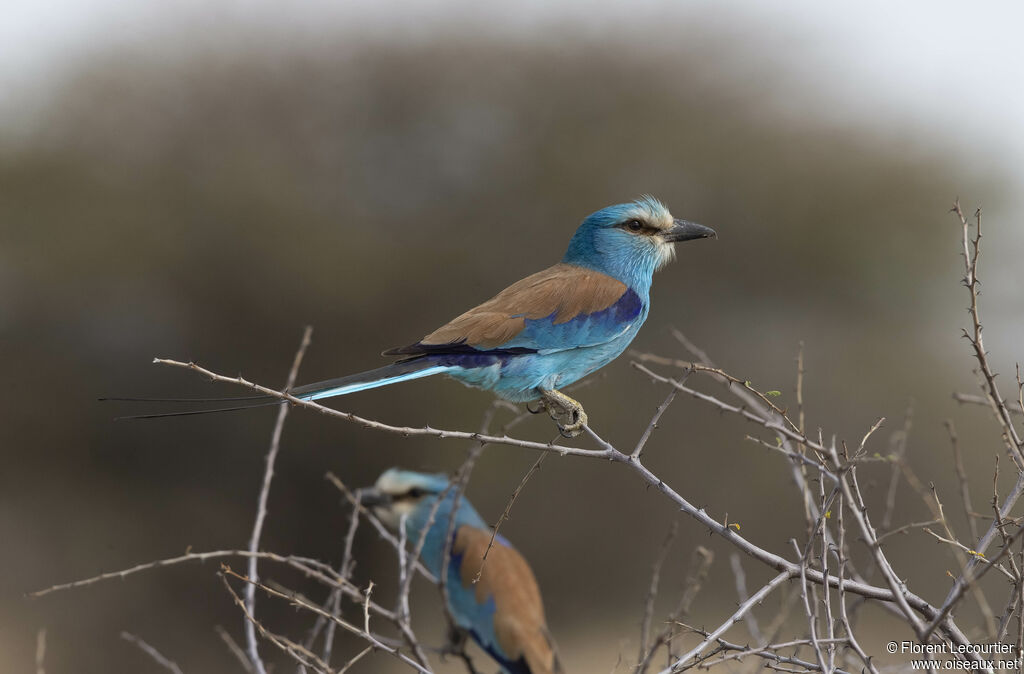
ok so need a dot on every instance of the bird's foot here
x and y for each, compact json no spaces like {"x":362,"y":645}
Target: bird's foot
{"x":563,"y":408}
{"x":455,"y":646}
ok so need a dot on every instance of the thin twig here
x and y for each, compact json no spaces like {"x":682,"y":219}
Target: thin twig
{"x":41,"y":651}
{"x":972,"y":553}
{"x":700,"y":564}
{"x":638,"y":450}
{"x":898,"y":455}
{"x":844,"y":616}
{"x":294,"y":650}
{"x":252,"y":647}
{"x":507,"y":511}
{"x":308,"y":566}
{"x":769,"y":653}
{"x":961,"y":476}
{"x":905,"y":528}
{"x":972,"y":399}
{"x":352,"y":662}
{"x":652,"y":592}
{"x":960,"y":588}
{"x":458,"y":483}
{"x":405,"y":576}
{"x":756,"y":598}
{"x":153,"y":653}
{"x":998,"y":404}
{"x":703,"y":367}
{"x":345,"y":569}
{"x":741,"y":591}
{"x":857,"y":508}
{"x":374,"y":640}
{"x":826,"y":507}
{"x":234,"y":648}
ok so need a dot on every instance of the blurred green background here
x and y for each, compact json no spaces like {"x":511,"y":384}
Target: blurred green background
{"x":204,"y":199}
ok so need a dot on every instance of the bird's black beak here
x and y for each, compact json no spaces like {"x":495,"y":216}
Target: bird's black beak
{"x":371,"y":497}
{"x":683,"y":230}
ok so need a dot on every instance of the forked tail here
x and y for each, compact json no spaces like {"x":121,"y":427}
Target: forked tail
{"x":361,"y":381}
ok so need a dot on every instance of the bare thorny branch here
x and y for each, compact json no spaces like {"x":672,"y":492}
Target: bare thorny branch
{"x":1001,"y":412}
{"x":824,"y":458}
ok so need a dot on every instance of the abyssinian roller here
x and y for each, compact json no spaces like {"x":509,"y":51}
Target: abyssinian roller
{"x":552,"y":328}
{"x":501,"y":611}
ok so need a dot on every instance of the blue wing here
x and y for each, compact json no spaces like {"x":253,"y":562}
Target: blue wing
{"x":562,"y":307}
{"x":547,"y":335}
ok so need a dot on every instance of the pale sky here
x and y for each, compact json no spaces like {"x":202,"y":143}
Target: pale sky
{"x":958,"y":66}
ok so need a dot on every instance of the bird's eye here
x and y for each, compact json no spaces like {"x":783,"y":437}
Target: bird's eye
{"x":415,"y":492}
{"x":634,"y":225}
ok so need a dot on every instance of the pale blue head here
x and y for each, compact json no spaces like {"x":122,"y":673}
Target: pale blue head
{"x":631,"y":241}
{"x":399,"y":493}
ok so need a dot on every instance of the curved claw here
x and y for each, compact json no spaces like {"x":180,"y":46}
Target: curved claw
{"x":575,"y":428}
{"x":540,"y":407}
{"x":579,"y":420}
{"x":560,"y":405}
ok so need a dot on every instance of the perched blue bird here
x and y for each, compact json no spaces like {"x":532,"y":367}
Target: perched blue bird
{"x":547,"y":330}
{"x":552,"y":328}
{"x":502,"y":611}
